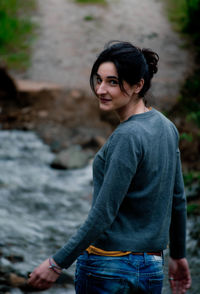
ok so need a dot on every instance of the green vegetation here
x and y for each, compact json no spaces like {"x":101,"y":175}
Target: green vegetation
{"x":193,"y":209}
{"x":177,"y":11}
{"x":186,"y":136}
{"x":191,"y":178}
{"x":185,"y":14}
{"x":189,"y":101}
{"x":195,"y":234}
{"x":16,"y":32}
{"x":89,"y":18}
{"x":185,"y":17}
{"x":188,"y":178}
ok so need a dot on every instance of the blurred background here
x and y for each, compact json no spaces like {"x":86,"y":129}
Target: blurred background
{"x":51,"y":127}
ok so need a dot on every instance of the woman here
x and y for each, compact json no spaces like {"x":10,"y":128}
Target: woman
{"x":138,"y":197}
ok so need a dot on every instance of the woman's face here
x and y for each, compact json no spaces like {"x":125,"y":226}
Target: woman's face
{"x":108,"y":91}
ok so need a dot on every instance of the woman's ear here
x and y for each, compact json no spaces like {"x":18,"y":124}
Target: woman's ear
{"x":138,"y":86}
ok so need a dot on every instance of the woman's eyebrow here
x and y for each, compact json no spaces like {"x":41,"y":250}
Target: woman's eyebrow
{"x":108,"y":77}
{"x":112,"y":77}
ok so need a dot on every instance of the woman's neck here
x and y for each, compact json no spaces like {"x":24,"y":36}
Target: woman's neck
{"x":135,"y":107}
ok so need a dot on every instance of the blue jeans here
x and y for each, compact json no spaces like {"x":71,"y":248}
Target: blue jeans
{"x":114,"y":275}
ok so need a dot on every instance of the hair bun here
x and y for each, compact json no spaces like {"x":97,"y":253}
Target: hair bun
{"x":152,"y":59}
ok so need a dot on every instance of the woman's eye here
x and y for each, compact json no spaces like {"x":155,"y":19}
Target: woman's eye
{"x":98,"y":80}
{"x":113,"y":82}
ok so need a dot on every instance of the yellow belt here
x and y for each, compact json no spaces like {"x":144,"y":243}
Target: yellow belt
{"x":97,"y":251}
{"x":94,"y":250}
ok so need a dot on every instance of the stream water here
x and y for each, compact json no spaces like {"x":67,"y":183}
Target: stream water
{"x":41,"y":207}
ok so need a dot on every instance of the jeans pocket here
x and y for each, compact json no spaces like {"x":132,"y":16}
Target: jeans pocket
{"x":155,"y":285}
{"x":101,"y":283}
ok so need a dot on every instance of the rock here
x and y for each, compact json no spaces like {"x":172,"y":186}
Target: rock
{"x":55,"y":145}
{"x":100,"y":141}
{"x":42,"y":113}
{"x":16,"y":281}
{"x":76,"y":94}
{"x":73,"y":157}
{"x":8,"y":89}
{"x":195,"y":234}
{"x":25,"y":110}
{"x":15,"y":258}
{"x":36,"y":94}
{"x":32,"y":86}
{"x":56,"y":114}
{"x":5,"y":262}
{"x":94,"y":142}
{"x":61,"y":117}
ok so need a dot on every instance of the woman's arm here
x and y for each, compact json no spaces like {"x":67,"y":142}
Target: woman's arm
{"x":120,"y":165}
{"x":178,"y":218}
{"x":121,"y":161}
{"x":179,"y":273}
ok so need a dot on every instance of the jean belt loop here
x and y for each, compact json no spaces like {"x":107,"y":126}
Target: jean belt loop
{"x":145,"y":257}
{"x":129,"y":256}
{"x":85,"y":253}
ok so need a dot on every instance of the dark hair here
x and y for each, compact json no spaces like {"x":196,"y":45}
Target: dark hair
{"x":131,"y":62}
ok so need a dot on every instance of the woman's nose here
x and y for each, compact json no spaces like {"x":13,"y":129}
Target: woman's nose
{"x":101,"y":89}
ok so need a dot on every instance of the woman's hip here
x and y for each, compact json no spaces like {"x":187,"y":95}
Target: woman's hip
{"x":124,"y":274}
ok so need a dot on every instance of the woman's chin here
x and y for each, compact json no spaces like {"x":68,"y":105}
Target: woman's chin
{"x":105,"y":107}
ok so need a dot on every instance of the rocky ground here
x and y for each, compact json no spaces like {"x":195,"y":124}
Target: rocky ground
{"x":61,"y":117}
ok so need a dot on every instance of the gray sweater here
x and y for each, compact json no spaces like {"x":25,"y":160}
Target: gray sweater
{"x":138,"y":192}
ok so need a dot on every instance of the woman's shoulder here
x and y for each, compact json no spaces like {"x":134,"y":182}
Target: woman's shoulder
{"x":126,"y":133}
{"x":129,"y":129}
{"x":169,"y":123}
{"x":142,"y":126}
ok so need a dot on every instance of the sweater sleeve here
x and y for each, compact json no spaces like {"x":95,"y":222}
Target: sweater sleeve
{"x":121,"y":160}
{"x":178,"y":220}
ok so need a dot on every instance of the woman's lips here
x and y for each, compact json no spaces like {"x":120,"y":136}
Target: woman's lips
{"x":105,"y":100}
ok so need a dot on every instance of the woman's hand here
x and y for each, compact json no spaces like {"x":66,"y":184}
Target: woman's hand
{"x":179,"y":275}
{"x":43,"y":277}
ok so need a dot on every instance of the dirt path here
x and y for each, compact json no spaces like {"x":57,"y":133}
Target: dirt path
{"x":68,"y":43}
